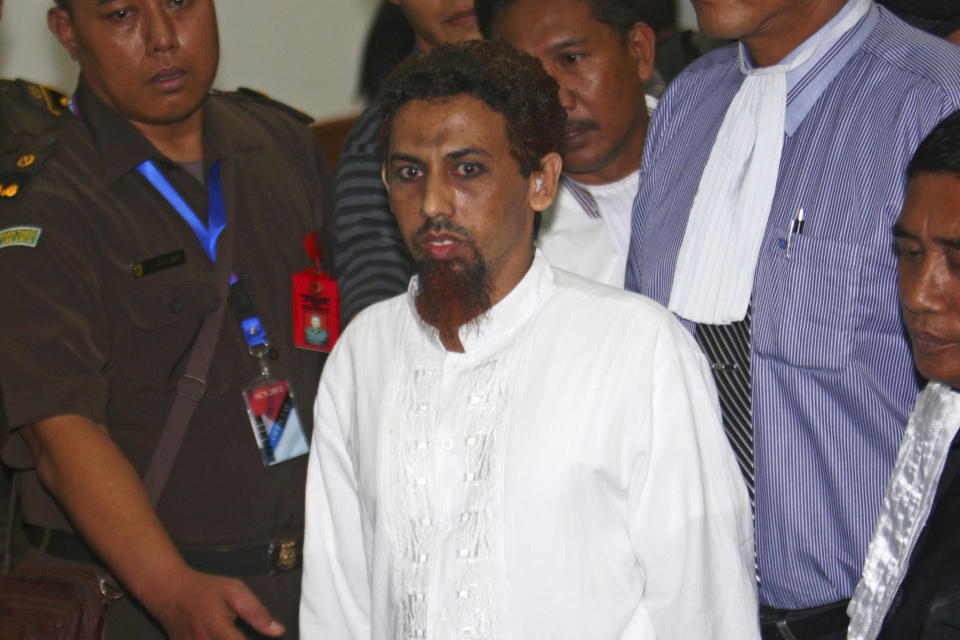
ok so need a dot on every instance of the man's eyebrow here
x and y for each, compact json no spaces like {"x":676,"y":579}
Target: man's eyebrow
{"x":460,"y":153}
{"x":402,"y":157}
{"x":949,"y":243}
{"x":568,"y":42}
{"x":900,"y":232}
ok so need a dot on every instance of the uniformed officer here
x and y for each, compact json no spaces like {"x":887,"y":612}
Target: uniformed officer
{"x":29,"y":115}
{"x":115,"y":258}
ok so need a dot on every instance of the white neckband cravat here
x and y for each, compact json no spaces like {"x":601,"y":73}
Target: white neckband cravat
{"x":713,"y":278}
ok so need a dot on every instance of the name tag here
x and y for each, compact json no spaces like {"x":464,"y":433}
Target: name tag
{"x":159,"y":263}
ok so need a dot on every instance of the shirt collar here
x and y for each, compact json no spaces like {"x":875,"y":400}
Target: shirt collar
{"x":500,"y":323}
{"x":806,"y":83}
{"x":122,"y":148}
{"x":583,"y":197}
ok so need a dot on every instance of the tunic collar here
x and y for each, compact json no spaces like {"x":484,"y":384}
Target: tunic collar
{"x":500,"y":323}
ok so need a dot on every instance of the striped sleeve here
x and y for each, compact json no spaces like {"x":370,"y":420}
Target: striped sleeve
{"x":373,"y":263}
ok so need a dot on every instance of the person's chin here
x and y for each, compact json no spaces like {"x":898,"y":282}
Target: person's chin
{"x":938,"y":362}
{"x":581,"y":162}
{"x":170,"y":109}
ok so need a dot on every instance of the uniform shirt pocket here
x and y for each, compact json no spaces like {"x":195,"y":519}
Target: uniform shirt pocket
{"x":804,"y":315}
{"x":158,"y":300}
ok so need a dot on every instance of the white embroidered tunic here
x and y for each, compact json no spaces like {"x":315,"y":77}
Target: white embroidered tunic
{"x":906,"y":507}
{"x":565,"y":477}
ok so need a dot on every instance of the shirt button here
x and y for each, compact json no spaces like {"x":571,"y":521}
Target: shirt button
{"x":176,"y":306}
{"x":447,"y":444}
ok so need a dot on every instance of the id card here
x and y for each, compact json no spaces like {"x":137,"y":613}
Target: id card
{"x":275,"y":421}
{"x":316,"y":311}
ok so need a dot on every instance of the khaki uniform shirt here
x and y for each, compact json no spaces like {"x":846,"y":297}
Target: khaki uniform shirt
{"x":83,"y":335}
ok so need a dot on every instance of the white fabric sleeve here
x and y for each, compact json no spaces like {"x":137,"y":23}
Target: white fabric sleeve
{"x":335,"y":598}
{"x":690,"y":521}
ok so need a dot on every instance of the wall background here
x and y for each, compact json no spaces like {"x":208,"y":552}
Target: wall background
{"x":303,"y":52}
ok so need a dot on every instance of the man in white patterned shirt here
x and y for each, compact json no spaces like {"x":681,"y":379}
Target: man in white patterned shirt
{"x":509,"y":451}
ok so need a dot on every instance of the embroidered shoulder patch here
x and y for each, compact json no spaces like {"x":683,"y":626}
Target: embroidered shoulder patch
{"x":19,"y":237}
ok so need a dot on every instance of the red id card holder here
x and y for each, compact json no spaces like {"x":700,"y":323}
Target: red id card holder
{"x":316,"y":304}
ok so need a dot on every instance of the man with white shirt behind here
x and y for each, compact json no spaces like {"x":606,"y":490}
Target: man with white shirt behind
{"x":601,"y":53}
{"x":510,"y":451}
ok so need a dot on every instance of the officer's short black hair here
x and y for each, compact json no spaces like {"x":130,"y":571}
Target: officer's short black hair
{"x":63,"y":4}
{"x":619,"y":14}
{"x":940,"y":150}
{"x":510,"y":82}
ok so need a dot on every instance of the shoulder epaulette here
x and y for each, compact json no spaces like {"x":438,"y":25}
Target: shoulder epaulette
{"x":19,"y":166}
{"x":244,"y":94}
{"x":35,"y":95}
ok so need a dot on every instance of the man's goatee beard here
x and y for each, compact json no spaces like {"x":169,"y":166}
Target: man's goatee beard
{"x":452,"y":293}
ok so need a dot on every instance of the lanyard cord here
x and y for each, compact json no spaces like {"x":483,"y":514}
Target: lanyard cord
{"x":216,"y":217}
{"x":241,"y":304}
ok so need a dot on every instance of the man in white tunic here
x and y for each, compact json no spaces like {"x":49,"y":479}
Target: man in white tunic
{"x":508,"y":450}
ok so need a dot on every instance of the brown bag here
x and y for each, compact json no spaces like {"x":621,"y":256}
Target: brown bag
{"x":51,"y":604}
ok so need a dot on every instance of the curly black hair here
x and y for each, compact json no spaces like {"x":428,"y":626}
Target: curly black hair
{"x":940,"y":150}
{"x":510,"y":82}
{"x":619,"y":14}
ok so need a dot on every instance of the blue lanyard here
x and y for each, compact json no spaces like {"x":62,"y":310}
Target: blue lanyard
{"x":253,"y":331}
{"x":216,"y":216}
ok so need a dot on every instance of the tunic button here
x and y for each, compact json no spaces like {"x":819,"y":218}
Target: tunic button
{"x":176,"y":306}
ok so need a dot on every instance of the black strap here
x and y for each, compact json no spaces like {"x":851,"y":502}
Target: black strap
{"x":193,"y":383}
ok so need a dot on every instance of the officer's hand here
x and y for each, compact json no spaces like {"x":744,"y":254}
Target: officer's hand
{"x":203,"y":607}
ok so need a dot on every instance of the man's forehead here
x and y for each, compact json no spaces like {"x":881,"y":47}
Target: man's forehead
{"x":451,"y":124}
{"x":932,"y":208}
{"x":538,"y":18}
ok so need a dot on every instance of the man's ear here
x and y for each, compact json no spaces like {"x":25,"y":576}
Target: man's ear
{"x":543,"y":183}
{"x":383,"y":177}
{"x":61,"y":25}
{"x":642,"y":45}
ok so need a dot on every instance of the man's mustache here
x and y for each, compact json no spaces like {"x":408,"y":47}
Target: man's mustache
{"x":440,"y":225}
{"x":581,"y":125}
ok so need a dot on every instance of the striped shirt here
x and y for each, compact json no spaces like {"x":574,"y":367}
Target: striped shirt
{"x":372,"y":261}
{"x":833,"y":381}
